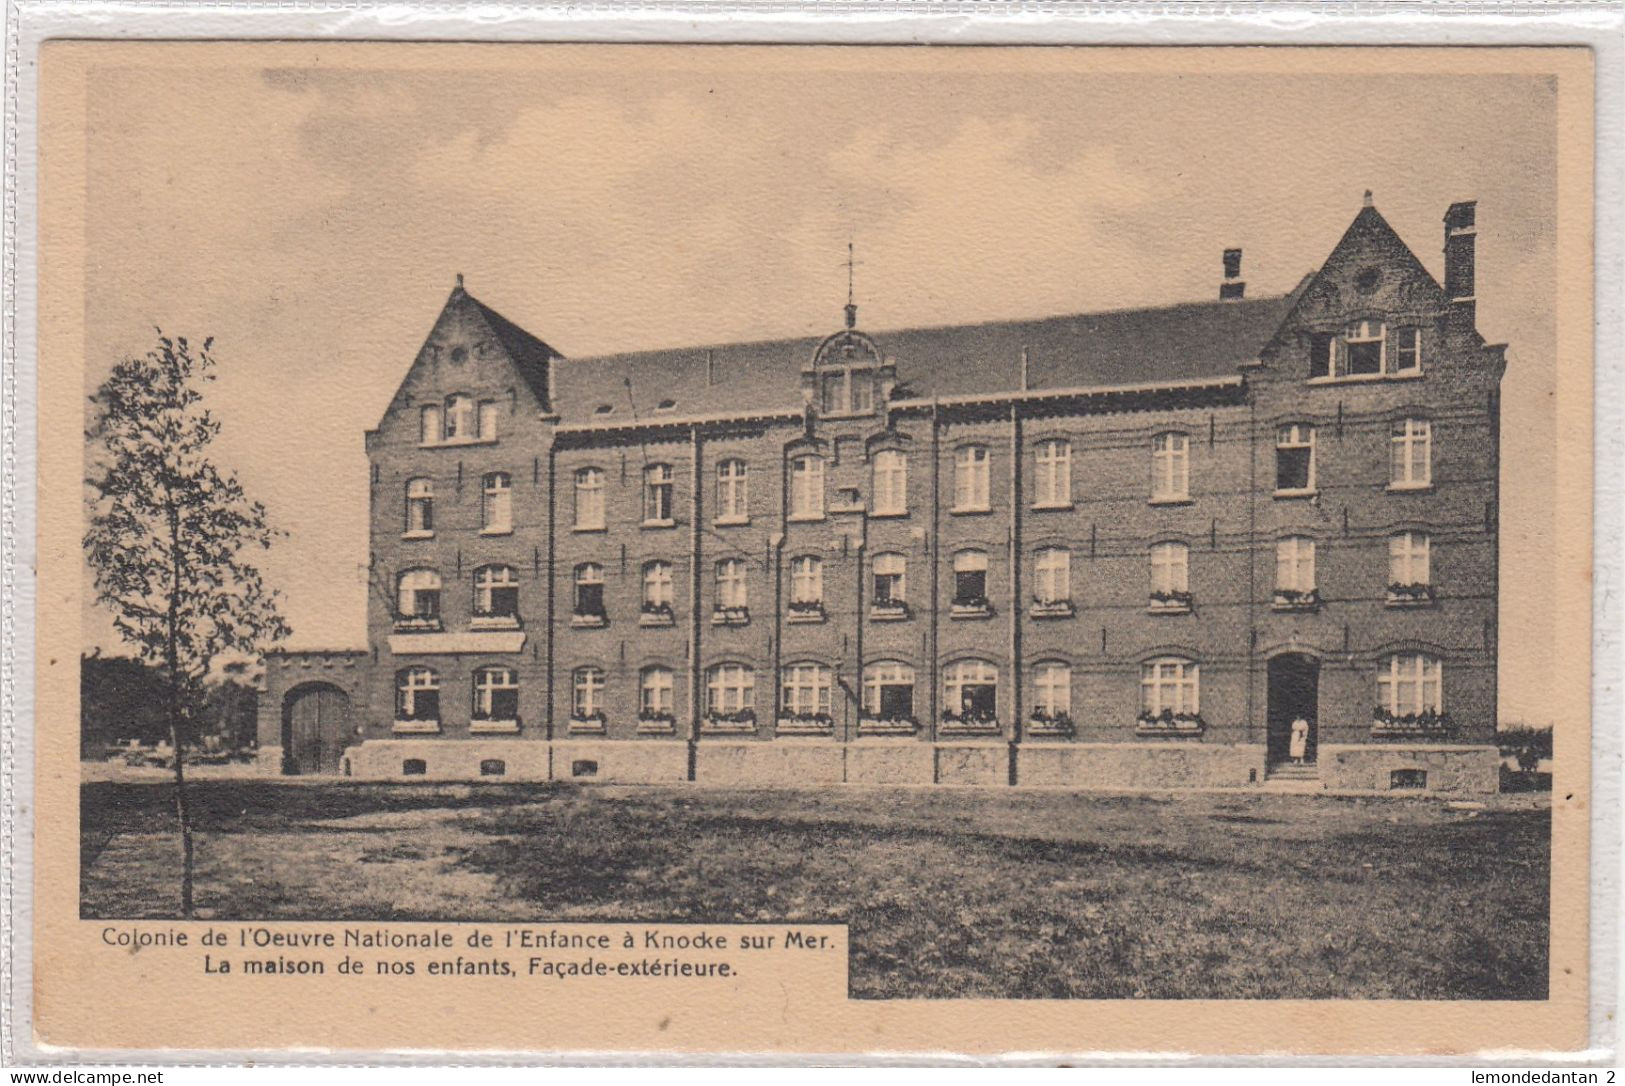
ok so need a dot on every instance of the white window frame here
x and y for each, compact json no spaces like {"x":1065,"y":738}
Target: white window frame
{"x":1421,"y":674}
{"x":1052,"y":688}
{"x":806,"y":689}
{"x":1052,"y":575}
{"x":461,"y":418}
{"x":1362,"y":332}
{"x":1053,"y":486}
{"x":409,"y":584}
{"x":420,"y":506}
{"x":806,"y":579}
{"x":589,"y":499}
{"x":1410,"y":557}
{"x":807,"y":487}
{"x":488,"y":579}
{"x":1170,"y":566}
{"x":1171,"y":467}
{"x":733,"y":497}
{"x":1410,"y":454}
{"x":659,"y":495}
{"x":890,"y":474}
{"x":408,"y":684}
{"x":488,"y":681}
{"x":1295,"y":564}
{"x":730,"y":688}
{"x":1173,"y":683}
{"x":732,"y":583}
{"x":882,"y":673}
{"x":487,"y":420}
{"x":962,"y":673}
{"x":431,"y":422}
{"x":496,"y":503}
{"x":891,"y":564}
{"x":658,"y":584}
{"x":1297,"y":435}
{"x":972,"y":466}
{"x":1411,"y":352}
{"x":656,"y":690}
{"x":586,"y":575}
{"x":587,"y":685}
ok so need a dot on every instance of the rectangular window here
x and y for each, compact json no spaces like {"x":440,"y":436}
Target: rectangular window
{"x":970,"y":578}
{"x":420,"y":507}
{"x":587,"y":696}
{"x":891,"y":482}
{"x":496,"y":592}
{"x":1410,"y":682}
{"x":1363,"y":348}
{"x":889,"y":586}
{"x":496,"y":694}
{"x":1054,"y":461}
{"x":429,"y":425}
{"x":971,"y":479}
{"x":731,"y":689}
{"x":1407,"y":350}
{"x":1052,"y":684}
{"x":1410,"y":453}
{"x":1170,"y":684}
{"x":807,"y":486}
{"x":589,"y":499}
{"x":488,"y":421}
{"x":1295,"y":565}
{"x":655,"y":697}
{"x":657,"y":586}
{"x":806,"y":580}
{"x":1053,"y":570}
{"x":806,"y":690}
{"x":1408,"y":559}
{"x":1170,"y":467}
{"x":732,"y":504}
{"x":496,"y":508}
{"x":657,"y":494}
{"x":1321,"y":348}
{"x":731,"y":583}
{"x":1170,"y":569}
{"x":1295,"y":459}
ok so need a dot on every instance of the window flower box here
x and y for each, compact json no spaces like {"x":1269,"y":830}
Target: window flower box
{"x":969,"y":724}
{"x":1169,"y":603}
{"x":805,"y":611}
{"x":1411,"y":595}
{"x":591,"y":724}
{"x":1053,"y":609}
{"x":805,"y":724}
{"x":1055,"y":724}
{"x":742,"y":721}
{"x":1427,"y":725}
{"x":971,"y":607}
{"x":894,"y":725}
{"x":730,"y":616}
{"x":653,"y":722}
{"x":1169,"y":723}
{"x":1293,"y":599}
{"x":417,"y":624}
{"x":656,"y":614}
{"x":588,"y":620}
{"x":888,"y":611}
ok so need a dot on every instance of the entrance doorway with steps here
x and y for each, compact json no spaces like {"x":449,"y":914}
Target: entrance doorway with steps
{"x":1294,"y":693}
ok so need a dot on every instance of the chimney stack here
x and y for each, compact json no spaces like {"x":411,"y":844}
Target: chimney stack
{"x":1232,"y":289}
{"x":1460,"y":236}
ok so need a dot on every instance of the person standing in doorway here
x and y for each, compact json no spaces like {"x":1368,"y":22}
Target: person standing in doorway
{"x":1299,"y":746}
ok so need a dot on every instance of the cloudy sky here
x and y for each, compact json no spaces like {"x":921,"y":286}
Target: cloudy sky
{"x":310,"y":209}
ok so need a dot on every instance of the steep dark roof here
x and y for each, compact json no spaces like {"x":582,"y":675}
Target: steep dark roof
{"x":1192,"y":340}
{"x":530,"y":354}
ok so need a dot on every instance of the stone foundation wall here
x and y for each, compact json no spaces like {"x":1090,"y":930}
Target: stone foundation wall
{"x":890,"y":761}
{"x":1446,"y":769}
{"x":784,"y":763}
{"x":655,"y":761}
{"x":1140,"y":765}
{"x":385,"y":759}
{"x":973,"y":763}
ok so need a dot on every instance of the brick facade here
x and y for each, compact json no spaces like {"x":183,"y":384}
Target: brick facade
{"x":1225,"y":378}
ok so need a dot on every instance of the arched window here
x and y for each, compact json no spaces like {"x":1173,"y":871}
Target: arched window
{"x":587,"y":693}
{"x":1170,"y":467}
{"x":731,"y":590}
{"x":496,"y":592}
{"x":496,"y":507}
{"x":1170,"y":683}
{"x":806,"y":580}
{"x":888,"y":691}
{"x":496,"y":695}
{"x":807,"y":486}
{"x":971,"y":479}
{"x":1410,"y":454}
{"x":1052,"y":574}
{"x":655,"y":695}
{"x":589,"y":589}
{"x":417,"y":695}
{"x":730,"y":690}
{"x":891,"y":589}
{"x":805,"y":690}
{"x":1295,"y":565}
{"x":1409,"y":555}
{"x":460,"y":420}
{"x":1053,"y":482}
{"x":970,"y":579}
{"x":732,"y":498}
{"x":417,"y":595}
{"x":1052,"y":690}
{"x":589,"y":499}
{"x":890,"y":482}
{"x":419,"y":506}
{"x":1170,"y":571}
{"x":657,"y":494}
{"x":970,"y":691}
{"x":657,"y":587}
{"x":1410,"y":683}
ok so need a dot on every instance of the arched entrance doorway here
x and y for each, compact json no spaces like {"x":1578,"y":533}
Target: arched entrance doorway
{"x":315,"y":729}
{"x":1294,"y":691}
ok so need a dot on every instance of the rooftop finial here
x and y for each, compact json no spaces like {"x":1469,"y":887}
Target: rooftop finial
{"x":851,"y":304}
{"x":459,"y":280}
{"x":1367,"y":197}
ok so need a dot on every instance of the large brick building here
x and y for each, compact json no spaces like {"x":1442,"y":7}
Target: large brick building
{"x":1117,"y":549}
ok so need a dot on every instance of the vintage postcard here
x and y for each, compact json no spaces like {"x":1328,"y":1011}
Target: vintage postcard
{"x":673,"y":549}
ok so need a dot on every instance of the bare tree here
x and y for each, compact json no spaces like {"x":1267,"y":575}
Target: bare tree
{"x":168,"y":533}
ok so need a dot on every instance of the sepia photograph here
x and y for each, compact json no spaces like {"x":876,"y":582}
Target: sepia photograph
{"x":1085,"y":529}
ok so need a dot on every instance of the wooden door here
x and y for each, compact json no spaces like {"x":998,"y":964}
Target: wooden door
{"x":318,"y":729}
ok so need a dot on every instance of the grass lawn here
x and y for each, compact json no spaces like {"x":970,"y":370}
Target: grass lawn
{"x":948,"y":893}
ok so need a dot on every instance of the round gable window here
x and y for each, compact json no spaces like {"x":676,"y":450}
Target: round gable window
{"x":1368,"y":280}
{"x":459,"y":355}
